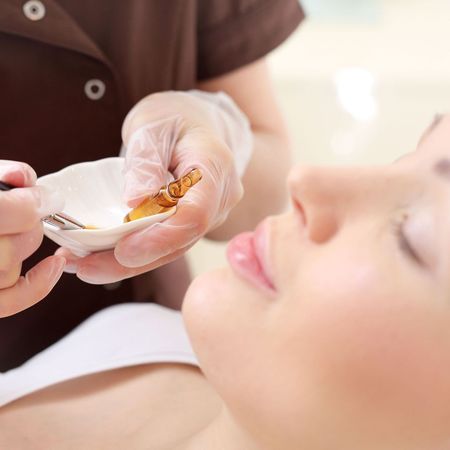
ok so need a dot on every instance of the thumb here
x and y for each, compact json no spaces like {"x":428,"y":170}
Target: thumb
{"x":148,"y":156}
{"x":17,"y":173}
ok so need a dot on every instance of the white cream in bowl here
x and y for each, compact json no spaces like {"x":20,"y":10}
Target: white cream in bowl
{"x":93,"y":195}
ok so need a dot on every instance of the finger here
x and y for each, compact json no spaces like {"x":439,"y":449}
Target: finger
{"x":220,"y":188}
{"x":72,"y":261}
{"x":10,"y":276}
{"x":17,"y":173}
{"x":180,"y":230}
{"x":17,"y":247}
{"x":22,"y":208}
{"x":31,"y":288}
{"x":13,"y":250}
{"x":103,"y":268}
{"x":148,"y":155}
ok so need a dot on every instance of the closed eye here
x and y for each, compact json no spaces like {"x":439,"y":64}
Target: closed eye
{"x":405,"y":245}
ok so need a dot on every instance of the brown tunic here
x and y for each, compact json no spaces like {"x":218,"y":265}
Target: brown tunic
{"x":69,"y":72}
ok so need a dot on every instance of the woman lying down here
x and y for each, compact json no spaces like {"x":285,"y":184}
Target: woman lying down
{"x":329,"y":330}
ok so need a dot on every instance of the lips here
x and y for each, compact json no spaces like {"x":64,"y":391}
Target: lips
{"x":247,"y":255}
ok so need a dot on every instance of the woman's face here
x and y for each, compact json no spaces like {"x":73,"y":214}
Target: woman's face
{"x":350,"y":348}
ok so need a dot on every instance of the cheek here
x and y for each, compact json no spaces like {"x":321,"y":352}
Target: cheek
{"x":375,"y":345}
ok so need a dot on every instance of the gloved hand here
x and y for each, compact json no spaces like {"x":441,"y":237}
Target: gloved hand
{"x":20,"y":236}
{"x":166,"y":135}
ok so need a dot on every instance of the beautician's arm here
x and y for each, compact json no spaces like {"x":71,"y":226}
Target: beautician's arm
{"x":264,"y":180}
{"x":199,"y":129}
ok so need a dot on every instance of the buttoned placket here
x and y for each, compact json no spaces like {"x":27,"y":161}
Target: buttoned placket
{"x":54,"y":26}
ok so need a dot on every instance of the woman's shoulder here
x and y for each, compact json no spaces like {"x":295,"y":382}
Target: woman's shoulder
{"x":120,"y":336}
{"x":158,"y":403}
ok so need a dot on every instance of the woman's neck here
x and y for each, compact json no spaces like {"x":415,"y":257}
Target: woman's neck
{"x":222,"y":433}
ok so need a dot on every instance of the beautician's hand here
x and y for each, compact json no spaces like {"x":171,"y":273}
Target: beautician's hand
{"x":167,"y":133}
{"x":20,"y":236}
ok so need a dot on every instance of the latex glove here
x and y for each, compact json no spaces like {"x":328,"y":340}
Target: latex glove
{"x":171,"y":133}
{"x":20,"y":236}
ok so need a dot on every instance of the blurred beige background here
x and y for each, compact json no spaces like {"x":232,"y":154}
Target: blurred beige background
{"x":358,"y":82}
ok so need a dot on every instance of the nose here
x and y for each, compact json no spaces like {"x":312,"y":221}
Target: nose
{"x":326,"y":196}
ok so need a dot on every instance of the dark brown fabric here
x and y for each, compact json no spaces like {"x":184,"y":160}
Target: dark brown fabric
{"x":135,"y":47}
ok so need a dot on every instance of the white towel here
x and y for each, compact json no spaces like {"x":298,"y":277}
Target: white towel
{"x":119,"y":336}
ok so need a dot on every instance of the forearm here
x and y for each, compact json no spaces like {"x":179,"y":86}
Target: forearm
{"x":264,"y":184}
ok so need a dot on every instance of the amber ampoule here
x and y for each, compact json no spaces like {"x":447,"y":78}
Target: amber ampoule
{"x":166,"y":198}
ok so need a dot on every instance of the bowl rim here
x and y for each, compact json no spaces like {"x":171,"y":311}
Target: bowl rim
{"x":81,"y":237}
{"x":118,"y":160}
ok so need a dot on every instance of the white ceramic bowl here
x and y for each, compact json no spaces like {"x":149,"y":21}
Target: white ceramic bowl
{"x":93,"y":195}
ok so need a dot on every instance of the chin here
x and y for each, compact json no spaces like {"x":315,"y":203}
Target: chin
{"x":203,"y":295}
{"x":204,"y":312}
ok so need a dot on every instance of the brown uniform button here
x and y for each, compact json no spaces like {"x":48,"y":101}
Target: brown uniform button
{"x":94,"y":89}
{"x":34,"y":10}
